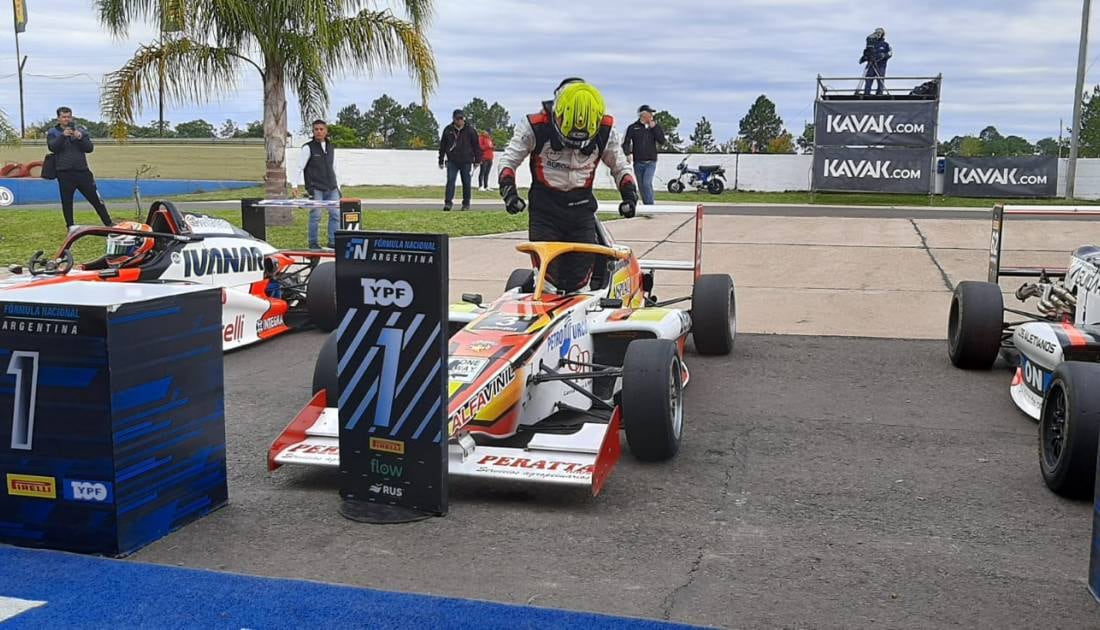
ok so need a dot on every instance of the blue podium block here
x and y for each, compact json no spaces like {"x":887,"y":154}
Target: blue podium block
{"x":112,"y":421}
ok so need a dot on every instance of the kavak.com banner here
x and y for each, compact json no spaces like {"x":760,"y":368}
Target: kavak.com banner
{"x":885,"y":123}
{"x":853,"y":169}
{"x":1029,"y":176}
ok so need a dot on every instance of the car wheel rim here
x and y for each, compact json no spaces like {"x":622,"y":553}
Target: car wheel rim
{"x":676,"y":398}
{"x":1054,"y":427}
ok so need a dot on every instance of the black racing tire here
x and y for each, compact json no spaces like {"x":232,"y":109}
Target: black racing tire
{"x":974,"y":325}
{"x":518,"y":278}
{"x":324,"y":371}
{"x":652,"y":399}
{"x":715,"y":186}
{"x":1068,"y":429}
{"x":321,"y":297}
{"x":713,"y":314}
{"x":675,"y":186}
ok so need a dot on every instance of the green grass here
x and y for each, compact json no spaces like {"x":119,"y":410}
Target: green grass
{"x":22,"y":232}
{"x":840,"y":199}
{"x":176,"y":161}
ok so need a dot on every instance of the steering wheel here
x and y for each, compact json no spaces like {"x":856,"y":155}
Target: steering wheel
{"x":39,"y":265}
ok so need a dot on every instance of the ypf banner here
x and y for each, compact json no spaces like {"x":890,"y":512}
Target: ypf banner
{"x":1028,"y":176}
{"x":855,"y":169}
{"x":392,"y":369}
{"x":885,"y":123}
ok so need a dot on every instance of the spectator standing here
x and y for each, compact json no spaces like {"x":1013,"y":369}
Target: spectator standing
{"x":875,"y":54}
{"x":642,"y":139}
{"x":317,"y":168}
{"x":485,"y":140}
{"x":70,"y":144}
{"x":458,"y":144}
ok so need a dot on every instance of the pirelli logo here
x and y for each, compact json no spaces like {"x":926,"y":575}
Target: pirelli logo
{"x":32,"y":486}
{"x":382,"y":445}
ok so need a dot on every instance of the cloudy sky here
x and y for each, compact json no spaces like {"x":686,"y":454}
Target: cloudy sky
{"x":1009,"y":63}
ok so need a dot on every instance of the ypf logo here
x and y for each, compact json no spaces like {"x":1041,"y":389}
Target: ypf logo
{"x":7,"y":197}
{"x":87,"y":491}
{"x":386,"y":293}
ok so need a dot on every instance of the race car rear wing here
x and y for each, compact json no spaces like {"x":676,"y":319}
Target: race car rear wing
{"x":695,"y":265}
{"x":996,"y":241}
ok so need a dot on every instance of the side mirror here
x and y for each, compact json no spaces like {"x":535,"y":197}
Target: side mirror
{"x":472,"y":298}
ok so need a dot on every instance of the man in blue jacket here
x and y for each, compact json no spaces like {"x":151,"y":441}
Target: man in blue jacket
{"x":875,"y":54}
{"x":70,"y":145}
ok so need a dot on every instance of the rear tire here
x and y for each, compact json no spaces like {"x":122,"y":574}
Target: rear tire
{"x":1068,"y":429}
{"x":324,"y":371}
{"x":974,"y":325}
{"x":715,"y":186}
{"x":675,"y":186}
{"x":713,"y":314}
{"x":518,"y":278}
{"x":321,"y":297}
{"x":652,"y":399}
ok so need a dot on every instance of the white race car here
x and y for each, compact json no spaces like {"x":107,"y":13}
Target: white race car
{"x":1054,"y":352}
{"x":265,"y":292}
{"x":542,"y":380}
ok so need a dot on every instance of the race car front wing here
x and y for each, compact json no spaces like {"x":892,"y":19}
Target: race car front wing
{"x":583,"y":458}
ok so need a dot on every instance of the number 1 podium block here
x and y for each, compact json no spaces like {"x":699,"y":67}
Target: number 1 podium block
{"x":112,"y":422}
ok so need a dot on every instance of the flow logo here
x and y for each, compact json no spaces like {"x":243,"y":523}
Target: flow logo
{"x":87,"y":491}
{"x":357,"y":248}
{"x":386,"y":293}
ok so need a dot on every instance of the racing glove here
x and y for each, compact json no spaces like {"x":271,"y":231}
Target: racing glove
{"x":629,"y":193}
{"x":508,"y":192}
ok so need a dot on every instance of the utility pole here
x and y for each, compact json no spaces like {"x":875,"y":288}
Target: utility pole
{"x":19,"y":10}
{"x":1078,"y":92}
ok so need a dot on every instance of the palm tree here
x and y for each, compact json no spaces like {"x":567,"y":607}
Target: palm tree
{"x":299,"y":44}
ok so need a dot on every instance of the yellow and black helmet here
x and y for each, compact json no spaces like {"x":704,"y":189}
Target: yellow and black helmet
{"x":577,"y":113}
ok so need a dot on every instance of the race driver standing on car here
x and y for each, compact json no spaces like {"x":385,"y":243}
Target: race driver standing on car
{"x":566,"y":142}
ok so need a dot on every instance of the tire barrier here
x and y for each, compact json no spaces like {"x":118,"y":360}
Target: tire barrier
{"x":17,"y":169}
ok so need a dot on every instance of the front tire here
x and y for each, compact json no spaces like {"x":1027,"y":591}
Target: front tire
{"x":675,"y":186}
{"x":713,"y":314}
{"x":715,"y":186}
{"x":1068,"y":429}
{"x":974,"y":325}
{"x":652,"y":399}
{"x":321,"y":297}
{"x":324,"y":371}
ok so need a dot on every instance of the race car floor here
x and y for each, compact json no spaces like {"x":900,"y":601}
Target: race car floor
{"x":823,"y":482}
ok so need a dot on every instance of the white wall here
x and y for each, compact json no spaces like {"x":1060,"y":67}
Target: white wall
{"x":755,"y":172}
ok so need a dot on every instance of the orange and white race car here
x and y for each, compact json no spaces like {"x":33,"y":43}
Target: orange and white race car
{"x":541,"y":381}
{"x":265,"y":291}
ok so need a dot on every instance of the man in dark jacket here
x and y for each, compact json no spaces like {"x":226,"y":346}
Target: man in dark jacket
{"x":458,"y":144}
{"x":317,"y":169}
{"x":875,"y":54}
{"x":70,"y":143}
{"x":642,"y":140}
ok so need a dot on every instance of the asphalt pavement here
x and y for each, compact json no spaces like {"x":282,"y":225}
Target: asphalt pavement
{"x":823,"y":482}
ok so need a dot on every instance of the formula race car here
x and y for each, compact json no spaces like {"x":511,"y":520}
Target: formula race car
{"x":265,"y":292}
{"x":542,"y":380}
{"x":1055,"y":351}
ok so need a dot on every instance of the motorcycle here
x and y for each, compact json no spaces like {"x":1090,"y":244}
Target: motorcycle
{"x":710,"y":178}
